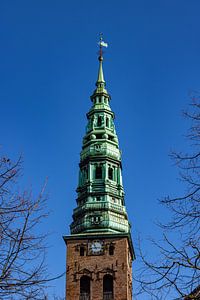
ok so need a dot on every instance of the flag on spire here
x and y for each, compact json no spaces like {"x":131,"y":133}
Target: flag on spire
{"x":102,"y":44}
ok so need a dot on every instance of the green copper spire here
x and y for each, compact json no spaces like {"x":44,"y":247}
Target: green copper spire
{"x":100,"y":79}
{"x":100,"y":194}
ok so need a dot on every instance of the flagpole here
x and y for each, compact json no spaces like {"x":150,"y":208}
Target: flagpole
{"x":100,"y":45}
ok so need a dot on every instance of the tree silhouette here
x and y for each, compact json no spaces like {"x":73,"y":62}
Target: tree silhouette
{"x":22,"y":248}
{"x":177,"y":269}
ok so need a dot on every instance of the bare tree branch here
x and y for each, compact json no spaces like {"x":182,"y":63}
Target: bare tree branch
{"x":175,"y":274}
{"x":23,"y":272}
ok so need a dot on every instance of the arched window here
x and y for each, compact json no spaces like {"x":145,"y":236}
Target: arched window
{"x":111,"y":249}
{"x":82,"y":251}
{"x":98,"y":173}
{"x":85,"y":288}
{"x":108,"y":287}
{"x":110,"y":173}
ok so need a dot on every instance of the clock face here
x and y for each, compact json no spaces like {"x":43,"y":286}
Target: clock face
{"x":96,"y":247}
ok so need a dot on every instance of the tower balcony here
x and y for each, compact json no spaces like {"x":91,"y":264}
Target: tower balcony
{"x":101,"y":150}
{"x":100,"y":206}
{"x":85,"y":226}
{"x":93,"y":217}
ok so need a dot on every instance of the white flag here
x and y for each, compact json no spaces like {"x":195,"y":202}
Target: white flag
{"x":103,"y":44}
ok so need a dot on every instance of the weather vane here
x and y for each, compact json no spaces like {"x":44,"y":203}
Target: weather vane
{"x":101,"y":44}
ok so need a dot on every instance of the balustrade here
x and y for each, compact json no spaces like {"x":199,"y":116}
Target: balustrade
{"x":102,"y":205}
{"x":108,"y":296}
{"x":84,"y":296}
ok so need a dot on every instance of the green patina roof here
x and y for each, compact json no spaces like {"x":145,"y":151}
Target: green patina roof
{"x":100,"y":78}
{"x":100,"y":83}
{"x":100,"y":194}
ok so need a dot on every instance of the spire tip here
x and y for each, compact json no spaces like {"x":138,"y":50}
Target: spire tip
{"x":101,"y":44}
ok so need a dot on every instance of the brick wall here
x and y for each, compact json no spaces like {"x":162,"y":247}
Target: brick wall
{"x":96,"y":266}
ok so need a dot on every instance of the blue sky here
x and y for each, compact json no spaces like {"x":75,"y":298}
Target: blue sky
{"x":48,"y":69}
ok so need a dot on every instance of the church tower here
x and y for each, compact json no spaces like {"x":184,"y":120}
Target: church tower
{"x":99,"y":249}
